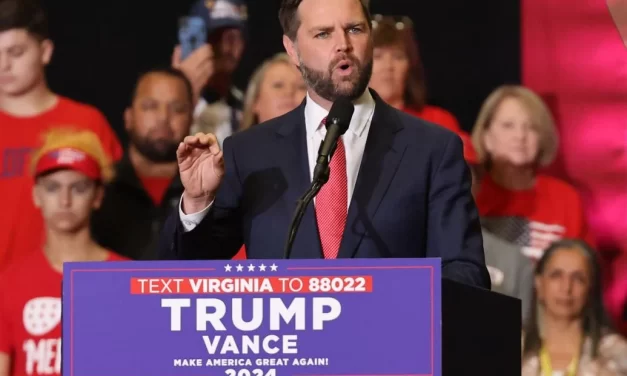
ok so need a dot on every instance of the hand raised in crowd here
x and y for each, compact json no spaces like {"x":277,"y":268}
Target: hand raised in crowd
{"x":198,"y":67}
{"x":201,"y":166}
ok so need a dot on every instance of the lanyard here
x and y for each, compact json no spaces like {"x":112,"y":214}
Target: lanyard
{"x":547,"y":370}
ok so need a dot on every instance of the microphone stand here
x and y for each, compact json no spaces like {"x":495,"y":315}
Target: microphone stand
{"x":321,"y":177}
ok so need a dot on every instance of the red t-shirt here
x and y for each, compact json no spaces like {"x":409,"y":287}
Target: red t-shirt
{"x":533,"y":218}
{"x":21,"y":225}
{"x":156,"y":187}
{"x":241,"y":254}
{"x":30,"y":315}
{"x":436,"y":115}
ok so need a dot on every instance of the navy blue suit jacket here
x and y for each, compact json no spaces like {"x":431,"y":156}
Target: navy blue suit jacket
{"x":412,"y":198}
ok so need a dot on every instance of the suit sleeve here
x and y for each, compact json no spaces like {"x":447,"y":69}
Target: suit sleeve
{"x":454,"y":231}
{"x":219,"y":235}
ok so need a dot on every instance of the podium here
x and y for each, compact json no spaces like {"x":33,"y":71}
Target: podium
{"x":349,"y":317}
{"x":481,"y":331}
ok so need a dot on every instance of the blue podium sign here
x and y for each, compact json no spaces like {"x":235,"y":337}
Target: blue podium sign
{"x":357,"y":317}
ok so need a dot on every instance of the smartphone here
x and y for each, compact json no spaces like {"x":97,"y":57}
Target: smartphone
{"x":192,"y":34}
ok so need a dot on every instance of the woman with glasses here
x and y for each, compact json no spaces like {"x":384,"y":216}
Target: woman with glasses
{"x":569,"y":332}
{"x":397,"y":74}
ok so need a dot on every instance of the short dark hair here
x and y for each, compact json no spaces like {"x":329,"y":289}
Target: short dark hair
{"x":288,"y":16}
{"x":24,"y":14}
{"x":167,"y":71}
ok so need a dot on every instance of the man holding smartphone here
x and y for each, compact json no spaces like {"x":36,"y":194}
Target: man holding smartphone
{"x":210,"y":67}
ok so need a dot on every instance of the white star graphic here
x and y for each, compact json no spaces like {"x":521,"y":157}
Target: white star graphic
{"x":262,"y":268}
{"x":273,"y":267}
{"x":251,"y":268}
{"x":239,"y":268}
{"x":227,"y":268}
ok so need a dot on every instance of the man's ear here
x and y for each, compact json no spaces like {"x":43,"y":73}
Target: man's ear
{"x":128,"y":118}
{"x":99,"y":196}
{"x":47,"y":47}
{"x":290,"y":48}
{"x":35,"y":196}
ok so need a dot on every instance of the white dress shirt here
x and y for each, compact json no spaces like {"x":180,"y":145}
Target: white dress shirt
{"x":354,"y":143}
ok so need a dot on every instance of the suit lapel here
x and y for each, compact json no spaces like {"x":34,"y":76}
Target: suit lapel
{"x":293,"y":159}
{"x":383,"y":152}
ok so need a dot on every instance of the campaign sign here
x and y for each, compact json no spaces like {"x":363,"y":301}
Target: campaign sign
{"x":376,"y":317}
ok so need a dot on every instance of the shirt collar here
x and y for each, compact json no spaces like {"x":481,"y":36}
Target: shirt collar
{"x":364,"y":108}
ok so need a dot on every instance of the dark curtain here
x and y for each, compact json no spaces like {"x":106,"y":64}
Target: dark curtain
{"x":468,"y":47}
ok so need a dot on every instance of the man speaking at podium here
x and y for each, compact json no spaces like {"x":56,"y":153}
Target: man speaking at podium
{"x":398,"y":186}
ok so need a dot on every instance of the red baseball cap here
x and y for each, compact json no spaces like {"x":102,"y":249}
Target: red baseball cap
{"x":70,"y":159}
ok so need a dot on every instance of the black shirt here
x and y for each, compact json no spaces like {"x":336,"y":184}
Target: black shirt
{"x":128,"y":221}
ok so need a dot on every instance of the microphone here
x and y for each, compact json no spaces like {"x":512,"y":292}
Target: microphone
{"x":337,"y":123}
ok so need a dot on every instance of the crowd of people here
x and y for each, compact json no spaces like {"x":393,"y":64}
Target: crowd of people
{"x":70,"y":192}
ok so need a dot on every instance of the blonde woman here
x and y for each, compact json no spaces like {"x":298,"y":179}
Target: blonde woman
{"x":275,"y":88}
{"x":514,"y":136}
{"x":569,"y":333}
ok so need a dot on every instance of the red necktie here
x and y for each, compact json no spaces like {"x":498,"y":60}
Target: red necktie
{"x":332,"y":204}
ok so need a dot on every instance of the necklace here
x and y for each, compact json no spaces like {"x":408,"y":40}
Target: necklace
{"x":547,"y":369}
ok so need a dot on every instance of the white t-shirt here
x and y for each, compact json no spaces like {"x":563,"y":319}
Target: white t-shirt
{"x":217,"y":117}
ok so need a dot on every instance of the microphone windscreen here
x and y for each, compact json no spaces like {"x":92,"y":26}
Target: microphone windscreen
{"x":341,"y":113}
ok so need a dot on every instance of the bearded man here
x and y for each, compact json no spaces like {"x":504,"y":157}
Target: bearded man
{"x":399,"y":187}
{"x":146,"y":186}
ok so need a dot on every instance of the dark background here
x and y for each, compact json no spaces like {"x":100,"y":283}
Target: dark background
{"x":468,"y":47}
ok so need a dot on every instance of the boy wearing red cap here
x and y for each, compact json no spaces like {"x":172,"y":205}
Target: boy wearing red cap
{"x":510,"y":271}
{"x":69,"y":171}
{"x":28,"y":108}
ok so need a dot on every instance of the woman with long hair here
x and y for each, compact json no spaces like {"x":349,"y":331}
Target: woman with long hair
{"x":569,"y":332}
{"x":398,"y":74}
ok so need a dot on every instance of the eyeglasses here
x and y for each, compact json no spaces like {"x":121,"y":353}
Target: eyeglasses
{"x":400,"y":22}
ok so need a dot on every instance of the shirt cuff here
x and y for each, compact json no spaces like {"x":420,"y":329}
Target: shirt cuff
{"x":190,"y":221}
